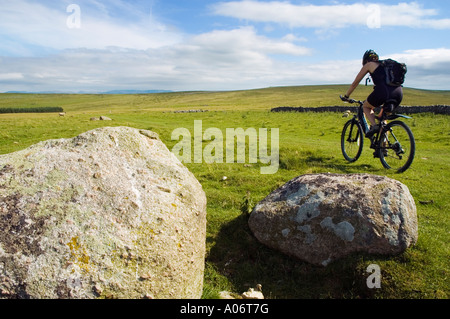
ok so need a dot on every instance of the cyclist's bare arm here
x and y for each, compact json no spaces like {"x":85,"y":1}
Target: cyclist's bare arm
{"x":368,"y":68}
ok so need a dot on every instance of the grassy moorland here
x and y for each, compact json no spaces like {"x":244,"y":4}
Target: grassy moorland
{"x":309,"y":143}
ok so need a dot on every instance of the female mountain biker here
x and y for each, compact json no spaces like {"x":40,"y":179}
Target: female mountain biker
{"x":381,"y":92}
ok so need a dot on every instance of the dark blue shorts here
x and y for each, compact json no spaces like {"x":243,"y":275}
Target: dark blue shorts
{"x":382,"y":93}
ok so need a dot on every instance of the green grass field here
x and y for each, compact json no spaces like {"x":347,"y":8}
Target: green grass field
{"x":309,"y":143}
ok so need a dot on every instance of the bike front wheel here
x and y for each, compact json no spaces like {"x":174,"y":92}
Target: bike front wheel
{"x":352,"y":141}
{"x":397,"y":147}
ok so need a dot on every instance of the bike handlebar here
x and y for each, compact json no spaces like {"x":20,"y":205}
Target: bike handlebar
{"x":351,"y":101}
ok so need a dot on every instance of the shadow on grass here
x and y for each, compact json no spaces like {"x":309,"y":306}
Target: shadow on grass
{"x":324,"y":163}
{"x":238,"y":256}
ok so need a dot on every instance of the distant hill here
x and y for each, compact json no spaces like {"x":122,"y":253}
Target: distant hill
{"x":256,"y":99}
{"x":135,"y":91}
{"x":83,"y":92}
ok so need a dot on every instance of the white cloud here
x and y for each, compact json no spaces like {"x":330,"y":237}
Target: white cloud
{"x":242,"y":44}
{"x":332,"y":16}
{"x":425,"y":58}
{"x":36,"y":25}
{"x":192,"y":66}
{"x":11,"y":76}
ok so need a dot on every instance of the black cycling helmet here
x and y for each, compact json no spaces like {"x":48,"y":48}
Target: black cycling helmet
{"x":370,"y":56}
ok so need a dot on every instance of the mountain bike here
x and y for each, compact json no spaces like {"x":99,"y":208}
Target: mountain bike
{"x":394,"y":143}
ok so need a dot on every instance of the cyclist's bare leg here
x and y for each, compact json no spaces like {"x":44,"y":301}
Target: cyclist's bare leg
{"x":370,"y":114}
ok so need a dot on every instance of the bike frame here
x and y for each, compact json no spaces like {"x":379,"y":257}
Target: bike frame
{"x":360,"y":117}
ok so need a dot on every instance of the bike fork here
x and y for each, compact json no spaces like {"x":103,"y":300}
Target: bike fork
{"x":353,"y":126}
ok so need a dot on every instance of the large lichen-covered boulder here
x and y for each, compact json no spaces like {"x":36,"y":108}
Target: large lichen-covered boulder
{"x":111,"y":213}
{"x":324,"y":217}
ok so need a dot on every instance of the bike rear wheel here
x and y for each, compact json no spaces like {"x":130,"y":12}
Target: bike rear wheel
{"x":397,"y":147}
{"x":352,"y":141}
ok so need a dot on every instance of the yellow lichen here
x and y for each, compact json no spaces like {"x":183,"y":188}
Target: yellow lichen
{"x":78,"y":255}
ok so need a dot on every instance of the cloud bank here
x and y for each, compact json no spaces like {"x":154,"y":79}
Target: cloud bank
{"x":192,"y":66}
{"x":332,"y":16}
{"x":121,"y":46}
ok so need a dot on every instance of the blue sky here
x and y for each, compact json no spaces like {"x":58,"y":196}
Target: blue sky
{"x":97,"y":45}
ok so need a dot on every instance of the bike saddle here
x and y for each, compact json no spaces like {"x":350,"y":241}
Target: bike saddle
{"x":390,"y":106}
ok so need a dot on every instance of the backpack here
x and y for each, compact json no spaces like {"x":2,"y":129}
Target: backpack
{"x":395,"y":72}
